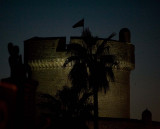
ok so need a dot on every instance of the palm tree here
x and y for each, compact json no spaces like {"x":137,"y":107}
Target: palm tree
{"x":66,"y":110}
{"x":91,"y":69}
{"x":75,"y":107}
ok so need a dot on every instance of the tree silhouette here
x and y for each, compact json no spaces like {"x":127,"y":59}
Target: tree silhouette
{"x":15,"y":62}
{"x":92,"y":66}
{"x":76,"y":107}
{"x":25,"y":90}
{"x":66,"y":110}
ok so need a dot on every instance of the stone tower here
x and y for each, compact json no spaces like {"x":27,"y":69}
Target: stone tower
{"x":46,"y":56}
{"x":116,"y":102}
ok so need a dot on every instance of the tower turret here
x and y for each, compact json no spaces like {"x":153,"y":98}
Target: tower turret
{"x":116,"y":102}
{"x":124,"y":35}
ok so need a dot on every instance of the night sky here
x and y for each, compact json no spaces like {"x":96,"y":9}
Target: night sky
{"x":23,"y":19}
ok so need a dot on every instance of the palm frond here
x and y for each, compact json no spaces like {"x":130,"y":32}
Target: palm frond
{"x":85,"y":97}
{"x":107,"y":59}
{"x":111,"y":36}
{"x":79,"y":76}
{"x":109,"y":73}
{"x":70,"y":59}
{"x":88,"y":39}
{"x":101,"y":47}
{"x":102,"y":80}
{"x":76,"y":49}
{"x":67,"y":97}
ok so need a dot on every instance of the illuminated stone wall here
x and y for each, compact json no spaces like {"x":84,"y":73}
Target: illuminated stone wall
{"x":46,"y":64}
{"x":116,"y":102}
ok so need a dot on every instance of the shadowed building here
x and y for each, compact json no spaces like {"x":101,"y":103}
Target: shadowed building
{"x":46,"y":56}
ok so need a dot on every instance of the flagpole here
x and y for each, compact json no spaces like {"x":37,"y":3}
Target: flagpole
{"x":83,"y":28}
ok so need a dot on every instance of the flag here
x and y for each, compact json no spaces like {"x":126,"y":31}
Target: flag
{"x":79,"y":24}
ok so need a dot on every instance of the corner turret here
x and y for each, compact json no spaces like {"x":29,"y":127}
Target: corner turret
{"x":125,"y":35}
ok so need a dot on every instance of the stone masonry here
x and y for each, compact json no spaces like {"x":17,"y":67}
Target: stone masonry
{"x":46,"y":56}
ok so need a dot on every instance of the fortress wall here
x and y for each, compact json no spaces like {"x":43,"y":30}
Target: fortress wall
{"x":46,"y":64}
{"x":116,"y":102}
{"x":51,"y":80}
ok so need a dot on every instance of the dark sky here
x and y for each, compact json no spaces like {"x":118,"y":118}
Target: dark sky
{"x":23,"y":19}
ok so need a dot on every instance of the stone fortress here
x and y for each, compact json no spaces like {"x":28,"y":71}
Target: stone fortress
{"x":46,"y":56}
